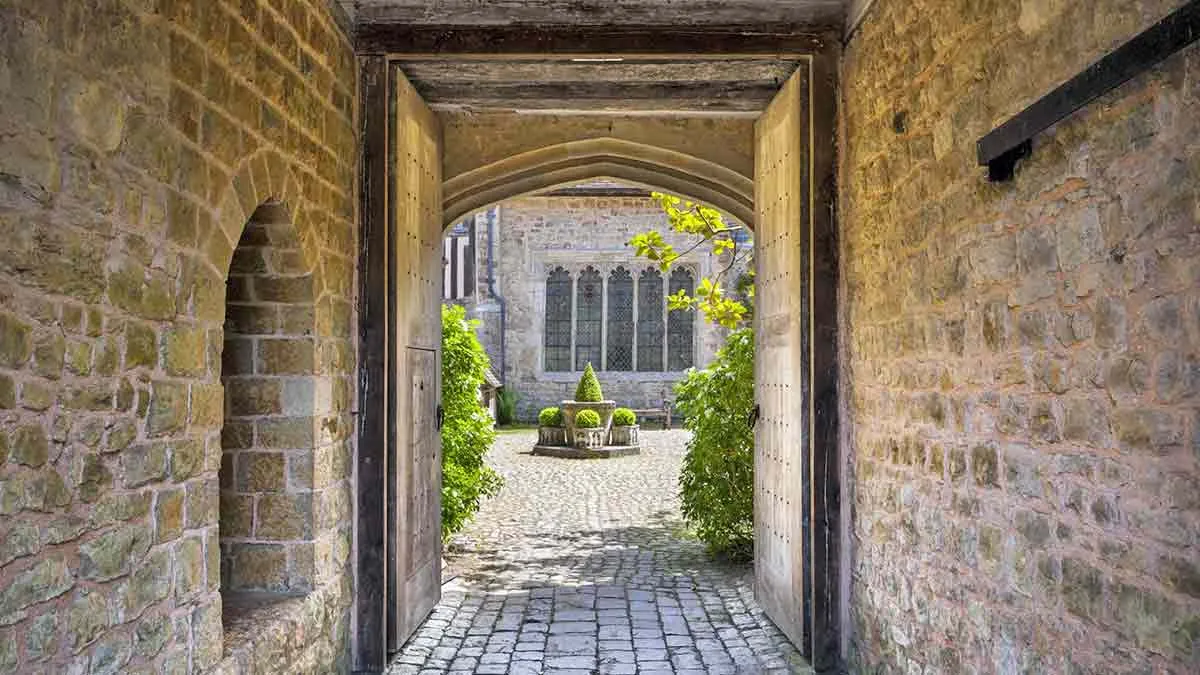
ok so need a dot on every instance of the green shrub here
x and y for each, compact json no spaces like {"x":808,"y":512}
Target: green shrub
{"x":587,"y":419}
{"x":550,"y":417}
{"x":467,"y":431}
{"x":506,"y":406}
{"x":624,"y":417}
{"x":716,"y":483}
{"x":588,"y":390}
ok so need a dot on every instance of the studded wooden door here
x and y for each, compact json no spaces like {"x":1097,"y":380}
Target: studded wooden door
{"x":414,"y":498}
{"x":781,"y":179}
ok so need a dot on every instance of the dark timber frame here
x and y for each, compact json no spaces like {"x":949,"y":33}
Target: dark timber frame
{"x":823,"y":491}
{"x":394,"y":39}
{"x":1001,"y":149}
{"x":375,"y":419}
{"x":824,"y":604}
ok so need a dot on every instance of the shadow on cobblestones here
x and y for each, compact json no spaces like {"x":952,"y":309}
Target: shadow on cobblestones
{"x":584,"y":567}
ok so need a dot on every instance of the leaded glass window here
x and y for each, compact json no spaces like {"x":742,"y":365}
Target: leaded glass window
{"x":650,"y":321}
{"x":620,"y":320}
{"x":681,"y":324}
{"x":589,"y":313}
{"x":558,"y":320}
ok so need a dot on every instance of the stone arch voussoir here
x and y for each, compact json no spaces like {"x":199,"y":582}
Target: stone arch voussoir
{"x":576,"y":161}
{"x":262,"y":178}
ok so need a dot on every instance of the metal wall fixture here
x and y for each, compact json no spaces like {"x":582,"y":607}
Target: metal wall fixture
{"x":1012,"y":141}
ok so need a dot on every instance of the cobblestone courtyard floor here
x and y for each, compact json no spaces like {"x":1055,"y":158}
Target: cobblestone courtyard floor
{"x":581,"y":567}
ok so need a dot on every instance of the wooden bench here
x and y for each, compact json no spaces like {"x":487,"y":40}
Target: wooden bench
{"x":663,"y":413}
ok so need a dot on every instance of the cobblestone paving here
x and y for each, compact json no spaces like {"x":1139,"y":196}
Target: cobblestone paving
{"x":579,"y":567}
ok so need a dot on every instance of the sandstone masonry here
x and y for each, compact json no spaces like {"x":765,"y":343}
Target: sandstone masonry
{"x":1024,"y":382}
{"x":136,"y":140}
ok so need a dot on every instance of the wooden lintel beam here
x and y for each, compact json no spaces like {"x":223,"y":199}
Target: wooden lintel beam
{"x":414,"y":40}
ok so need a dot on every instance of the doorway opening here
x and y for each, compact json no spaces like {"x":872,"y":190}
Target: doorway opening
{"x":445,"y":162}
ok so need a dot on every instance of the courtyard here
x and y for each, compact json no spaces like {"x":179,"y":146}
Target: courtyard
{"x":584,"y":566}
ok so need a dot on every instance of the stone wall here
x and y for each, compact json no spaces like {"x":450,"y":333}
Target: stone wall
{"x":535,"y":234}
{"x":136,"y":140}
{"x":1022,"y":358}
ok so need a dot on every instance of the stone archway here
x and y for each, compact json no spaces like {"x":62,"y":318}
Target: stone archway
{"x":574,"y":161}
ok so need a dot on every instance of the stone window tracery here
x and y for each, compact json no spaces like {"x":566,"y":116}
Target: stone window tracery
{"x":558,"y":320}
{"x":681,"y":324}
{"x":620,"y":320}
{"x":617,"y":320}
{"x":650,"y":321}
{"x":589,"y":301}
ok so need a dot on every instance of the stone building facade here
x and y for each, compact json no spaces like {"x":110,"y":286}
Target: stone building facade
{"x":582,"y":233}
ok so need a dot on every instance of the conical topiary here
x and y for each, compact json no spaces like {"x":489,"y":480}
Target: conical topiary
{"x":588,"y":390}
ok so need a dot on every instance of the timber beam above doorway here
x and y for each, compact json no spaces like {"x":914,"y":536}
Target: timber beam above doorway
{"x":658,"y":70}
{"x":615,"y":40}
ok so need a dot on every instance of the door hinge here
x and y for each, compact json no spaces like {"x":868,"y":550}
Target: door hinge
{"x":441,"y":416}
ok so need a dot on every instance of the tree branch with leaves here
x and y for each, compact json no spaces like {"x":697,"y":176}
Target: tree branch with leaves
{"x":712,"y":296}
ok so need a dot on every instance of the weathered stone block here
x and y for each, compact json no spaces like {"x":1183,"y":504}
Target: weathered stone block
{"x":187,"y":458}
{"x":114,"y":553}
{"x":253,"y":396}
{"x":144,"y":463}
{"x":30,"y":446}
{"x":8,"y":393}
{"x":286,"y":433}
{"x":237,"y":435}
{"x":1147,"y":429}
{"x":237,"y":515}
{"x":95,"y":478}
{"x":261,"y":472}
{"x":149,"y":583}
{"x":206,"y":634}
{"x":49,"y":353}
{"x":203,"y":503}
{"x":41,"y":640}
{"x":168,"y":408}
{"x":286,"y":356}
{"x":1110,"y":322}
{"x":258,"y":566}
{"x":184,"y":351}
{"x":168,"y":515}
{"x":284,"y":517}
{"x":86,"y":619}
{"x":46,"y":579}
{"x":247,"y":319}
{"x":151,"y":635}
{"x":20,"y":541}
{"x":111,"y":653}
{"x":985,"y":465}
{"x":190,"y":577}
{"x":1083,"y":588}
{"x":283,"y":289}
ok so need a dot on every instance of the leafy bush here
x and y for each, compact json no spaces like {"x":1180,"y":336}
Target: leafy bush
{"x":588,"y":390}
{"x":624,"y":417}
{"x":717,"y":480}
{"x":467,"y":431}
{"x":587,"y":419}
{"x":506,"y":406}
{"x":550,"y":417}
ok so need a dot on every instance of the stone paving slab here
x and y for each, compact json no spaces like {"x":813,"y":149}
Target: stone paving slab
{"x":583,"y":567}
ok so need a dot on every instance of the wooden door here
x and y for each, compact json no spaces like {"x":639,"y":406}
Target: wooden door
{"x":421,"y":474}
{"x":781,"y":179}
{"x":414,"y":493}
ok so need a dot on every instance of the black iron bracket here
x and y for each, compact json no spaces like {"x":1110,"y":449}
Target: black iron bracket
{"x":1000,"y":150}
